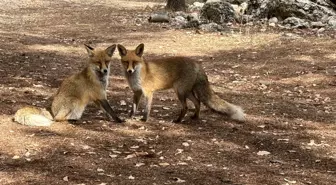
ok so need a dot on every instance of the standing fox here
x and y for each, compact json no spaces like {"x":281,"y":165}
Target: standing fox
{"x":76,"y":92}
{"x":184,"y":75}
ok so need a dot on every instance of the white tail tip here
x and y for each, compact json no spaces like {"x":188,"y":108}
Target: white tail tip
{"x":237,"y":113}
{"x":33,"y":120}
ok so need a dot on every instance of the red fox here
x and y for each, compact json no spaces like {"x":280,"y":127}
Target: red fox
{"x":184,"y":75}
{"x":76,"y":92}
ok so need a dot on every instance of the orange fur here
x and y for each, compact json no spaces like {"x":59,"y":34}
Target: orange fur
{"x":80,"y":89}
{"x":184,"y":75}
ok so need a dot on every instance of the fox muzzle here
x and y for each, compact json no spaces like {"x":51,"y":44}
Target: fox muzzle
{"x":130,"y":71}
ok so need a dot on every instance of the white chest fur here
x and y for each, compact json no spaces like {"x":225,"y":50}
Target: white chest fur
{"x":134,"y":80}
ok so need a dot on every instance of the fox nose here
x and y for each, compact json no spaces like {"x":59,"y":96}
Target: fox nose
{"x":105,"y":71}
{"x":130,"y":71}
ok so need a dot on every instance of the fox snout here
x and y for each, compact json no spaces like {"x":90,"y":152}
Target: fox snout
{"x":130,"y":71}
{"x":104,"y":71}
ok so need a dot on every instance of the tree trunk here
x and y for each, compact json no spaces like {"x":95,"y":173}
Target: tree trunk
{"x":176,"y":5}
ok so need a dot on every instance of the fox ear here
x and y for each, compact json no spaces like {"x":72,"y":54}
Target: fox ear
{"x":122,"y":50}
{"x":139,"y":50}
{"x":110,"y":50}
{"x":89,"y":49}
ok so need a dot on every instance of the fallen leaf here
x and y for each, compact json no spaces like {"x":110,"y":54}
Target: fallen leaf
{"x":27,"y":154}
{"x":263,"y":153}
{"x":100,"y":170}
{"x":130,"y":156}
{"x":134,"y":147}
{"x":289,"y":181}
{"x":164,"y":164}
{"x":178,"y":180}
{"x":85,"y":147}
{"x":16,"y":157}
{"x":182,"y":163}
{"x":131,"y":177}
{"x":179,"y":151}
{"x":116,"y":152}
{"x":66,"y":178}
{"x":165,"y":108}
{"x":122,"y":102}
{"x":139,"y":164}
{"x":185,"y":144}
{"x":113,"y":155}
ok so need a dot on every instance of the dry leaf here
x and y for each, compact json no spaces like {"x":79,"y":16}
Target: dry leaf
{"x":100,"y":170}
{"x":16,"y":157}
{"x":113,"y":155}
{"x":178,"y":180}
{"x":139,"y":164}
{"x":122,"y":102}
{"x":131,"y":177}
{"x":85,"y":147}
{"x":179,"y":151}
{"x":263,"y":153}
{"x":134,"y":147}
{"x":66,"y":178}
{"x":185,"y":144}
{"x":289,"y":181}
{"x":164,"y":164}
{"x":116,"y":152}
{"x":130,"y":156}
{"x":182,"y":163}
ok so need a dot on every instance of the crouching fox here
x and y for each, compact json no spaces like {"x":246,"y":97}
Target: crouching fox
{"x":76,"y":92}
{"x":184,"y":75}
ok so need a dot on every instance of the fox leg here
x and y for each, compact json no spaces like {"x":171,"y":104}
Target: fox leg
{"x":197,"y":104}
{"x":149,"y":98}
{"x":76,"y":113}
{"x":136,"y":99}
{"x":73,"y":113}
{"x":104,"y":105}
{"x":181,"y":96}
{"x":62,"y":115}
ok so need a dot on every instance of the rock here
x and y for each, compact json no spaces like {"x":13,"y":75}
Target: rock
{"x":196,"y":6}
{"x":320,"y":30}
{"x":211,"y":27}
{"x":159,"y":17}
{"x":218,"y":12}
{"x":237,"y":2}
{"x":180,"y":13}
{"x":273,"y":20}
{"x":247,"y":19}
{"x":239,"y":10}
{"x":290,"y":36}
{"x":179,"y":22}
{"x":312,"y":10}
{"x":193,"y":20}
{"x":318,"y":24}
{"x":332,"y":22}
{"x":295,"y":22}
{"x":272,"y":24}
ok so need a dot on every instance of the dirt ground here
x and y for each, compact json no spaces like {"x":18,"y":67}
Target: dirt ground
{"x":285,"y":82}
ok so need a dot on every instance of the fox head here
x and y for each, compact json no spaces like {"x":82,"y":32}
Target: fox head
{"x":131,"y":59}
{"x":99,"y":60}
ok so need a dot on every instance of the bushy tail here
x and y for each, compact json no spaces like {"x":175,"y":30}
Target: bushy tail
{"x":208,"y":97}
{"x":33,"y":116}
